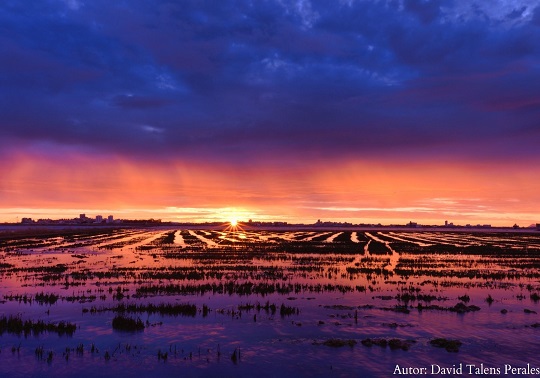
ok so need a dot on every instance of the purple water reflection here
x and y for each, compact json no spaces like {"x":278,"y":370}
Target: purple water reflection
{"x":334,"y":287}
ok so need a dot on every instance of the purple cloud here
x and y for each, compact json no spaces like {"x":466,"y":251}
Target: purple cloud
{"x":273,"y":79}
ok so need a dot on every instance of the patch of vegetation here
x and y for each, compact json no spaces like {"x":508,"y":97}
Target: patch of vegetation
{"x":460,"y":308}
{"x":43,"y":298}
{"x":123,"y":323}
{"x":183,"y":309}
{"x":338,"y":343}
{"x":449,"y":345}
{"x":15,"y":325}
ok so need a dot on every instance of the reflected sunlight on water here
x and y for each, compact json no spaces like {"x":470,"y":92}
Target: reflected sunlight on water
{"x":282,"y":303}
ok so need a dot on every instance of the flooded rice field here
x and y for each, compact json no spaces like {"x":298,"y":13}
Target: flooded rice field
{"x":191,"y":302}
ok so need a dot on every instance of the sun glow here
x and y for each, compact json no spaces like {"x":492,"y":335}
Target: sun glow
{"x":233,"y":226}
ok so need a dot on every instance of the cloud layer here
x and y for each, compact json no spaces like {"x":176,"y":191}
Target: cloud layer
{"x":236,"y":79}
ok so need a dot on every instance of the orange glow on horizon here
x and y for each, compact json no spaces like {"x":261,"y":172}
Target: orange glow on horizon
{"x":38,"y":186}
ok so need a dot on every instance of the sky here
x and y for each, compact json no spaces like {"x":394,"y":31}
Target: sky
{"x":362,"y":111}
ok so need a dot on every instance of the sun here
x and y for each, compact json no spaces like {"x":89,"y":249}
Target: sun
{"x":232,"y":224}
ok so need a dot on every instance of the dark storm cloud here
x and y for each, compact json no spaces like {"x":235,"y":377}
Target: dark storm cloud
{"x":139,"y":102}
{"x":231,"y":79}
{"x":536,"y":16}
{"x":426,"y":11}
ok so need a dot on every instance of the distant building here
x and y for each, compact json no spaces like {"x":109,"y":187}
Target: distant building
{"x":82,"y":216}
{"x":538,"y":226}
{"x":99,"y":219}
{"x":27,"y":220}
{"x":110,"y":219}
{"x":412,"y":224}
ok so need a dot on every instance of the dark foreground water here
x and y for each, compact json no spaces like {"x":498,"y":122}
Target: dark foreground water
{"x":234,"y":303}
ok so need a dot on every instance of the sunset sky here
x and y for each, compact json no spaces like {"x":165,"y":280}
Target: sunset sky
{"x":362,"y":111}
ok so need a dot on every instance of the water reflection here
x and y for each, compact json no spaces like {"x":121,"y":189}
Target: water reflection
{"x":289,"y":303}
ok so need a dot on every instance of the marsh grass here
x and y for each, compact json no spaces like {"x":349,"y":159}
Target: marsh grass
{"x":124,"y":323}
{"x":15,"y":325}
